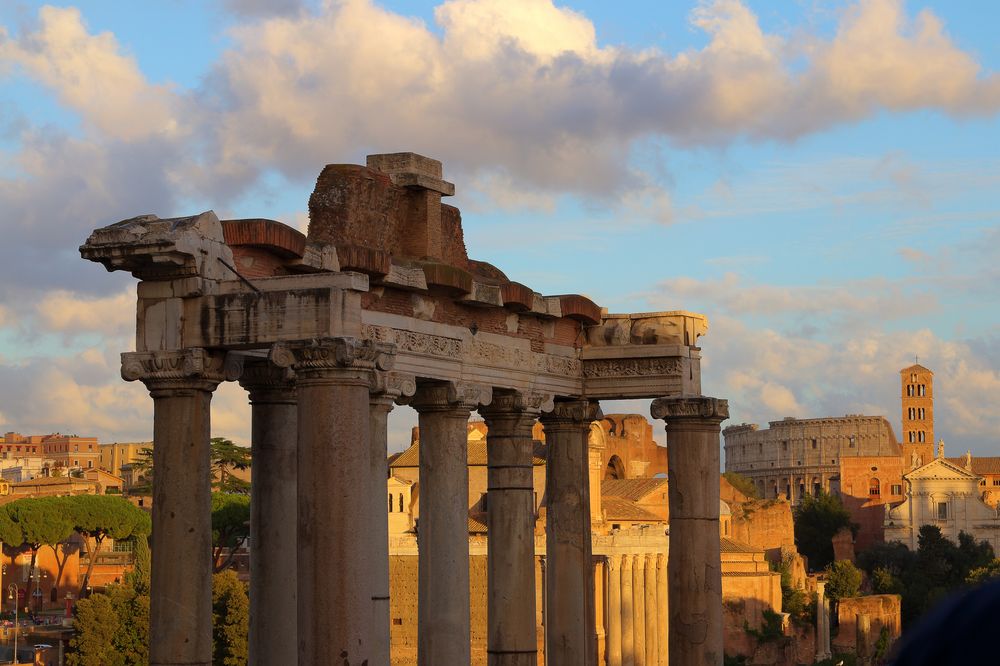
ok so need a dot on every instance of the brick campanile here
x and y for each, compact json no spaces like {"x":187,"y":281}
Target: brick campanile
{"x":917,"y":399}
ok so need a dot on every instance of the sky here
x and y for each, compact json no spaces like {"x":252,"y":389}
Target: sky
{"x":821,"y":179}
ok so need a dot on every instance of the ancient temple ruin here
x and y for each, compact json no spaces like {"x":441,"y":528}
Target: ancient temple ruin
{"x":379,"y":304}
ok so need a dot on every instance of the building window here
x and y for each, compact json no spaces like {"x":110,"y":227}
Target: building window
{"x":909,"y":391}
{"x":814,"y":442}
{"x":401,"y":502}
{"x":920,"y":436}
{"x":390,"y":502}
{"x":124,"y":546}
{"x":851,"y":441}
{"x":942,"y":511}
{"x":897,"y":489}
{"x":996,"y":482}
{"x":90,"y":464}
{"x":922,"y":390}
{"x":913,"y":378}
{"x":784,"y":446}
{"x":874,"y":488}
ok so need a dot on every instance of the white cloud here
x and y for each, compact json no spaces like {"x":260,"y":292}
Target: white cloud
{"x":69,"y":313}
{"x":91,"y":75}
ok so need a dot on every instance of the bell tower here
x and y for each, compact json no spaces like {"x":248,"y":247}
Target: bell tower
{"x":917,"y":399}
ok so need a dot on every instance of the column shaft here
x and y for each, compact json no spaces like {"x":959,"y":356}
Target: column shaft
{"x":443,"y":528}
{"x":181,"y":384}
{"x":570,"y":636}
{"x":652,"y":656}
{"x":614,"y":611}
{"x":694,"y":569}
{"x":662,"y":610}
{"x":273,"y":509}
{"x":639,"y":609}
{"x":628,"y":623}
{"x":510,"y":597}
{"x":334,"y":561}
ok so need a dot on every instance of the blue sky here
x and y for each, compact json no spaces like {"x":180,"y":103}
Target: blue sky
{"x":819,"y":178}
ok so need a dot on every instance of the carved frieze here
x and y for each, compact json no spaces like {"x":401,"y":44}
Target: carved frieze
{"x":632,"y":367}
{"x":410,"y":341}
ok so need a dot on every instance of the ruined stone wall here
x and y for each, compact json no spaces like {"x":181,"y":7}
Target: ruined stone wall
{"x":861,"y":620}
{"x":764,"y":524}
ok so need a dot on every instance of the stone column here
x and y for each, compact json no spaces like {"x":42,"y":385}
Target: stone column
{"x":569,"y":638}
{"x":510,"y":522}
{"x":443,"y":528}
{"x":694,"y":567}
{"x":822,"y":622}
{"x":628,"y":625}
{"x":273,"y":508}
{"x":652,"y":656}
{"x":639,"y":609}
{"x":663,"y":609}
{"x":388,"y":389}
{"x":181,"y":384}
{"x":334,"y":562}
{"x":614,"y":610}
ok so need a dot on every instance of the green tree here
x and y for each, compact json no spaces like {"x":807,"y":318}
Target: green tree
{"x":93,"y":643}
{"x":742,"y":484}
{"x":982,"y":574}
{"x":230,"y":620}
{"x":843,"y":580}
{"x":227,"y":456}
{"x":143,"y":465}
{"x":817,"y":519}
{"x":97,"y":517}
{"x":41,"y":521}
{"x":230,"y":526}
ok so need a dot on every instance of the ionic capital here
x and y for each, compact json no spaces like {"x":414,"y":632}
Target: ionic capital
{"x":694,"y":408}
{"x":443,"y":396}
{"x":325,"y":357}
{"x":388,"y":388}
{"x":573,"y":412}
{"x":266,"y":382}
{"x":506,"y":402}
{"x":192,"y":368}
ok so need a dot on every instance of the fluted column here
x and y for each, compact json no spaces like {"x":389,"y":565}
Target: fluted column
{"x":510,"y":521}
{"x":334,"y":561}
{"x":443,"y":631}
{"x":662,"y":610}
{"x":639,"y":609}
{"x":273,"y":508}
{"x":628,"y":620}
{"x":181,"y":385}
{"x":388,"y":389}
{"x":694,"y":569}
{"x":652,"y":655}
{"x":569,"y":637}
{"x":614,"y":610}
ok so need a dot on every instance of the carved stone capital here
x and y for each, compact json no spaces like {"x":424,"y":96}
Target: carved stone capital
{"x":699,"y":408}
{"x":266,"y":382}
{"x":451,"y":395}
{"x":310,"y":358}
{"x":575,"y":412}
{"x":392,"y":387}
{"x":531,"y":402}
{"x":614,"y":563}
{"x":194,"y":368}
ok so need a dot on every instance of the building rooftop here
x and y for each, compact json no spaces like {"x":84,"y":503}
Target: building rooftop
{"x":632,"y":489}
{"x":476,"y":456}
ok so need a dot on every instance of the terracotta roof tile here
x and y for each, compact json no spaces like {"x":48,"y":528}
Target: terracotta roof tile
{"x":980,"y":464}
{"x":477,"y":455}
{"x":619,"y":508}
{"x":727,"y":545}
{"x":632,"y":489}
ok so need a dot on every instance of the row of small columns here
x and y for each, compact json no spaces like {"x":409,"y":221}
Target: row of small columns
{"x":319,"y":448}
{"x":637,"y":610}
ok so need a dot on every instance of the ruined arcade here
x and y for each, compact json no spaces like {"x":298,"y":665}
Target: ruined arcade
{"x":379,"y":304}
